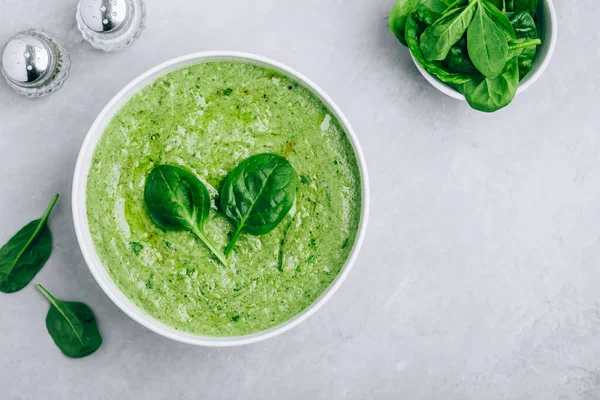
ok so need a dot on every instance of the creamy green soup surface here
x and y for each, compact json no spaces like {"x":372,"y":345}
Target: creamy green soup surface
{"x":208,"y":118}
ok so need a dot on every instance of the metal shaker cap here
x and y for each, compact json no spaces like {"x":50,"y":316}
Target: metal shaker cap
{"x":104,"y":15}
{"x":110,"y":25}
{"x":34,"y":64}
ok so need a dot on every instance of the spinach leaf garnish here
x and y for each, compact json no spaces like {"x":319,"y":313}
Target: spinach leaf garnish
{"x":26,"y":253}
{"x":178,"y":201}
{"x":72,"y":326}
{"x":258,"y":194}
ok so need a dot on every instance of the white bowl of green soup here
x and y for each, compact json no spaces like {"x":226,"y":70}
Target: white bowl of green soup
{"x":220,"y":199}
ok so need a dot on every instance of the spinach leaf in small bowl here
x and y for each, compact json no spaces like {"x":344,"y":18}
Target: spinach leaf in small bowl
{"x":525,"y":29}
{"x":471,"y":46}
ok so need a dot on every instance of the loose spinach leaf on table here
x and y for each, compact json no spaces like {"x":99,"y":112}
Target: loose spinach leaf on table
{"x":438,"y":39}
{"x":492,"y":94}
{"x":487,"y":43}
{"x":258,"y":194}
{"x":413,"y":30}
{"x":178,"y":201}
{"x":26,"y":253}
{"x":72,"y":326}
{"x":525,"y":28}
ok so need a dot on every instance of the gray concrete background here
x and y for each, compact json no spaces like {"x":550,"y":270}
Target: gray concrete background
{"x":480,"y":274}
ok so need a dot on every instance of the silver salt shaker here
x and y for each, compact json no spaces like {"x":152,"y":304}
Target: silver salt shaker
{"x":110,"y":25}
{"x":34,"y":64}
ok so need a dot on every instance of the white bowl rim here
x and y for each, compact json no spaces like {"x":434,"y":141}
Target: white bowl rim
{"x":80,"y":215}
{"x":529,"y":79}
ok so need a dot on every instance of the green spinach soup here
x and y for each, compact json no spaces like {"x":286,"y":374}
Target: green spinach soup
{"x":208,"y":118}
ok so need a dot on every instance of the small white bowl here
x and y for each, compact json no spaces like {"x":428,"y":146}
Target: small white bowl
{"x":80,"y":215}
{"x":548,"y":34}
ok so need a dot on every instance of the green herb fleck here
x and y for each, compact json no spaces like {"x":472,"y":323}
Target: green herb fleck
{"x":136,"y":247}
{"x":227,"y":91}
{"x":149,"y":281}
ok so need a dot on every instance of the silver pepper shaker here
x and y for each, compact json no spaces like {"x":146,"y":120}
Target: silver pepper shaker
{"x":34,"y":64}
{"x":110,"y":25}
